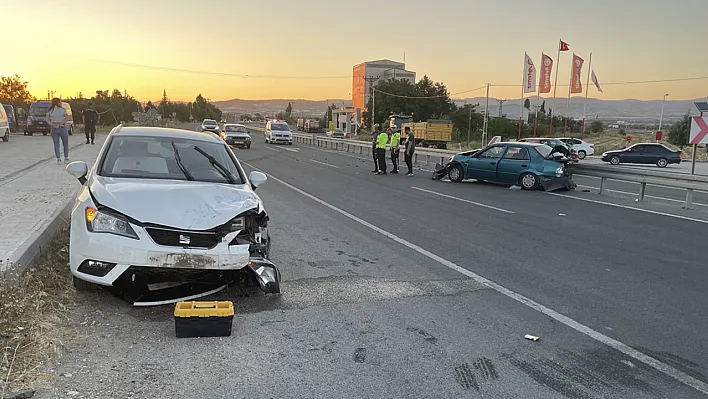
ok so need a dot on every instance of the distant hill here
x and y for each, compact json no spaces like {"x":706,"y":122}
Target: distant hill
{"x":269,"y":107}
{"x":627,"y":110}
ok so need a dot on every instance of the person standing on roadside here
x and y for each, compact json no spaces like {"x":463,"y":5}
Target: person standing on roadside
{"x":90,"y":120}
{"x":395,"y":151}
{"x":410,"y":149}
{"x":381,"y":141}
{"x":57,"y":117}
{"x":374,"y":137}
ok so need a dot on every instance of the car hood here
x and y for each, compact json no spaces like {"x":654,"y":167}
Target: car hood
{"x":180,"y":204}
{"x":614,"y":152}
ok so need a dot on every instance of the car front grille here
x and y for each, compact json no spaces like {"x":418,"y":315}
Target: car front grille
{"x":177,"y":238}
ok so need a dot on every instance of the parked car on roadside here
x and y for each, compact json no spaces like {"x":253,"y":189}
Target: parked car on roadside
{"x":214,"y":231}
{"x":36,"y":118}
{"x":11,"y":119}
{"x":4,"y":125}
{"x":583,"y":147}
{"x":645,"y":153}
{"x":236,"y":135}
{"x":337,"y":134}
{"x":529,"y":165}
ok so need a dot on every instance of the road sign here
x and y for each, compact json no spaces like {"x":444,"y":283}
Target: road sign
{"x":699,"y":130}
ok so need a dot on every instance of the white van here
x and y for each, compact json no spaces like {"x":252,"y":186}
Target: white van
{"x":278,"y":132}
{"x":4,"y":125}
{"x":70,"y":122}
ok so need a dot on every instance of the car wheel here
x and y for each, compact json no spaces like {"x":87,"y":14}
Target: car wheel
{"x":82,"y":285}
{"x":662,"y":162}
{"x":615,"y":160}
{"x":456,"y":174}
{"x":528,"y":181}
{"x":582,"y":154}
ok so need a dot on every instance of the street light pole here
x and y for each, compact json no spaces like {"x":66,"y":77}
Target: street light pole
{"x":661,"y":117}
{"x":469,"y":126}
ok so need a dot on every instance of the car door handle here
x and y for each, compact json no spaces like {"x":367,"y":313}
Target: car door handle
{"x":524,"y":165}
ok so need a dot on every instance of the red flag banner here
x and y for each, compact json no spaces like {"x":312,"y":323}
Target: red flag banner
{"x":529,"y":75}
{"x":597,"y":84}
{"x":544,"y":85}
{"x":564,"y":46}
{"x":576,"y":86}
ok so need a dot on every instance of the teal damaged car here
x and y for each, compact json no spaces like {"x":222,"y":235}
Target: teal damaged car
{"x":531,"y":166}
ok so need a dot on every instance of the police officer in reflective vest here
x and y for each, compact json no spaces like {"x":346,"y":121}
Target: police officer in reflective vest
{"x":381,"y":141}
{"x":395,"y":151}
{"x":374,"y":154}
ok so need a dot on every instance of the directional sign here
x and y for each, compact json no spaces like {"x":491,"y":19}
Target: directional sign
{"x":699,"y":130}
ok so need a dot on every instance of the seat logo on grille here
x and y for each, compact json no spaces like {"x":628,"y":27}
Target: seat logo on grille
{"x":184,"y":239}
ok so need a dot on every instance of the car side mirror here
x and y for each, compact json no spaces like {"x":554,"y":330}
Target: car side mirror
{"x":257,"y":178}
{"x":78,"y":169}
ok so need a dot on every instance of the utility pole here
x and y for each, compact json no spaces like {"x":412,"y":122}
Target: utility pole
{"x":501,"y":106}
{"x":486,"y":118}
{"x":469,"y":126}
{"x":371,"y":80}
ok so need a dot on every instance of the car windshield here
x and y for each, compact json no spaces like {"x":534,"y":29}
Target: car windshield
{"x":38,"y":111}
{"x":544,"y":150}
{"x":280,"y":127}
{"x":157,"y":158}
{"x":236,"y":129}
{"x":210,"y":123}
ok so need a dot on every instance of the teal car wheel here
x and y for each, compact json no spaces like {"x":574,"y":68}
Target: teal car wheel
{"x":529,"y":181}
{"x":456,"y":174}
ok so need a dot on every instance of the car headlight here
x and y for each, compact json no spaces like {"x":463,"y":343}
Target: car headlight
{"x":560,"y":170}
{"x":449,"y":160}
{"x":102,"y":222}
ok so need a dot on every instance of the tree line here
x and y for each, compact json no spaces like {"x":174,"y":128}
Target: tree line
{"x":113,"y":106}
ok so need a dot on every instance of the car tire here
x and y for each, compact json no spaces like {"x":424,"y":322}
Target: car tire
{"x":529,"y":181}
{"x":615,"y":160}
{"x":662,"y":162}
{"x":582,"y":154}
{"x":456,"y":173}
{"x":82,"y":285}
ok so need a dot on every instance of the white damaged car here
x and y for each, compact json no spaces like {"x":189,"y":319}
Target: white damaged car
{"x":168,"y":215}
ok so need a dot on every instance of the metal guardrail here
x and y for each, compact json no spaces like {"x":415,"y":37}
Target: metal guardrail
{"x":690,"y":183}
{"x":365,"y":147}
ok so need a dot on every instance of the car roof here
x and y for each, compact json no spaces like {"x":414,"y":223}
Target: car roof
{"x":519,"y":143}
{"x":146,"y":131}
{"x":41,"y":102}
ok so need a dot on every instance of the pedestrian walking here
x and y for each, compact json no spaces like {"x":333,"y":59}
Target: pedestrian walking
{"x":381,"y":141}
{"x":410,"y":149}
{"x":395,"y":151}
{"x":57,"y":117}
{"x":90,"y":120}
{"x":374,"y":137}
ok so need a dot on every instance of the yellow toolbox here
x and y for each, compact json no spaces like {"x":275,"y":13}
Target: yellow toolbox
{"x":203,"y":319}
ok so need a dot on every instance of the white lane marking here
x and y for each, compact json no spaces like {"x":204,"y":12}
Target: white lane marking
{"x":648,"y":196}
{"x":631,"y":208}
{"x":649,"y":185}
{"x":598,"y":336}
{"x":325,"y":164}
{"x":464,"y":200}
{"x":292,"y":149}
{"x":272,"y":149}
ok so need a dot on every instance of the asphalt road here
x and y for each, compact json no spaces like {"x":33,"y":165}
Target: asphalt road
{"x":382,"y":297}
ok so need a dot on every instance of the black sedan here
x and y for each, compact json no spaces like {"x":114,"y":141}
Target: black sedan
{"x":646,"y":153}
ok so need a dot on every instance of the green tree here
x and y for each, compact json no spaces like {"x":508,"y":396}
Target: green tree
{"x":597,"y":127}
{"x":14,"y":91}
{"x":461,"y":123}
{"x":257,"y":116}
{"x":678,"y":132}
{"x":289,"y":109}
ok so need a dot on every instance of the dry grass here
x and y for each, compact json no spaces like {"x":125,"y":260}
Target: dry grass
{"x":35,"y":310}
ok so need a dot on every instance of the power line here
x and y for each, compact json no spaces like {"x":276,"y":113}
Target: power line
{"x":235,"y":75}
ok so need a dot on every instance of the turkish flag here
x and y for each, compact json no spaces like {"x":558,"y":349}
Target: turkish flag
{"x":575,"y":85}
{"x":544,"y":86}
{"x":564,"y":46}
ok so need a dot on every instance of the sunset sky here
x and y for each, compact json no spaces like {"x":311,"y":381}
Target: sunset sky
{"x":307,"y":48}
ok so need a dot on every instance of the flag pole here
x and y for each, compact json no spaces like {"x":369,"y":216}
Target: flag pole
{"x":570,"y":89}
{"x":587,"y":88}
{"x":538,"y":97}
{"x":521,"y":108}
{"x":555,"y":85}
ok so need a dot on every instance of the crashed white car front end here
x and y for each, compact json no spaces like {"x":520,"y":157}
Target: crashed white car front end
{"x":155,"y":241}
